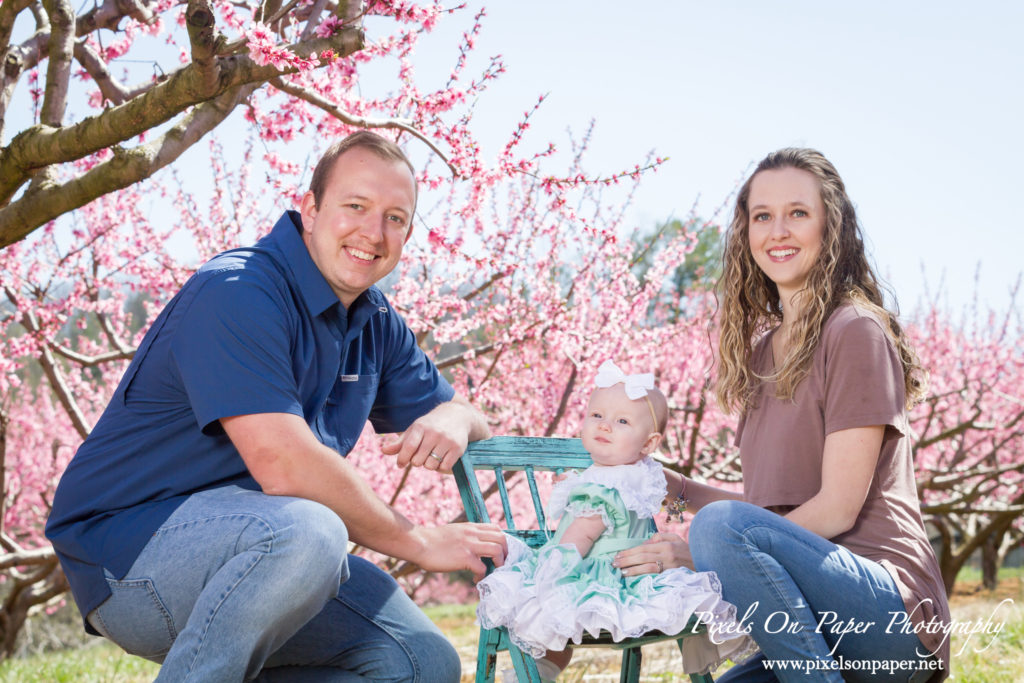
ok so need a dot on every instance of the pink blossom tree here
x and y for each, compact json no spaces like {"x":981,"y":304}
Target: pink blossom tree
{"x":970,"y":436}
{"x":87,"y":102}
{"x":519,"y":279}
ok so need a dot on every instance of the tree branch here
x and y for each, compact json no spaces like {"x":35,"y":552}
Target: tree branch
{"x":204,"y":41}
{"x":43,"y":567}
{"x":58,"y":69}
{"x":9,"y":11}
{"x":458,"y":358}
{"x":35,"y":556}
{"x":8,"y":543}
{"x":563,"y":402}
{"x":109,"y":15}
{"x":58,"y":585}
{"x":112,"y":91}
{"x":123,"y":350}
{"x":313,"y":19}
{"x":494,"y":363}
{"x":360,"y":121}
{"x":949,"y":433}
{"x":4,"y":421}
{"x":698,"y":419}
{"x":979,"y":536}
{"x":273,"y":9}
{"x":50,"y":369}
{"x":725,"y":469}
{"x":17,"y":60}
{"x":44,"y":145}
{"x":10,"y":68}
{"x":123,"y":169}
{"x":483,"y":287}
{"x":91,"y":361}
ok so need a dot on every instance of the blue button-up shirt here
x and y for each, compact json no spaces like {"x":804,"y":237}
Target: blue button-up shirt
{"x":255,"y":330}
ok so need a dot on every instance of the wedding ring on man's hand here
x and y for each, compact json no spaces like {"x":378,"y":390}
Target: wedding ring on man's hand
{"x":661,"y":567}
{"x":437,"y":457}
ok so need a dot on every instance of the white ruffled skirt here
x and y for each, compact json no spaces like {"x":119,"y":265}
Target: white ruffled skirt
{"x":549,"y":597}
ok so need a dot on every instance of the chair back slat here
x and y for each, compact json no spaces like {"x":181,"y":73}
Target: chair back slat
{"x":505,"y":456}
{"x":538,"y":506}
{"x":506,"y":507}
{"x":515,"y":452}
{"x":469,"y":490}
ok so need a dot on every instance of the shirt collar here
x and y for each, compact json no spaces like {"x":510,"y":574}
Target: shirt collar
{"x":313,"y":286}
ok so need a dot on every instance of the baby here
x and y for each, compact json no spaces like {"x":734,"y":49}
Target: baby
{"x":549,"y":596}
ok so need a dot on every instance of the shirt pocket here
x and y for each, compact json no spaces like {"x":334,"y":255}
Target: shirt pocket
{"x":346,"y":410}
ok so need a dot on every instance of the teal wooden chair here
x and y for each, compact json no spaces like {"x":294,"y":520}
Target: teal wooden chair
{"x":506,"y":457}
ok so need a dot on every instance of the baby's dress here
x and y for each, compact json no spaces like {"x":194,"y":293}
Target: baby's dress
{"x":549,"y":596}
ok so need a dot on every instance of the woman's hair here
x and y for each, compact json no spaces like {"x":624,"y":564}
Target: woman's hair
{"x":750,"y":303}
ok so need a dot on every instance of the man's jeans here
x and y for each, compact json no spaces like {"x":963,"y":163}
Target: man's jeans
{"x":237,"y":584}
{"x":802,"y":591}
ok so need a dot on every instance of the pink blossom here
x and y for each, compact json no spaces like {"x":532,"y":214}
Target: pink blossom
{"x":329,"y":26}
{"x":521,"y":275}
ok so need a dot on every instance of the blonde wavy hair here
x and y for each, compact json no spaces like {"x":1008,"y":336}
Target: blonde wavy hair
{"x":750,"y":305}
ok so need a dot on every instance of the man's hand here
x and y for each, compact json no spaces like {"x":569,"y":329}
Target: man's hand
{"x":286,"y":459}
{"x":438,"y":439}
{"x":454,"y":547}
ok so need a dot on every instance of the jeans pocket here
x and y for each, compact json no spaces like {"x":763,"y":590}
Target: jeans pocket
{"x":136,"y":619}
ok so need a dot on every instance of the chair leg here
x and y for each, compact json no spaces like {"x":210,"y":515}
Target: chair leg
{"x":630,"y":672}
{"x":525,"y":667}
{"x":487,"y":655}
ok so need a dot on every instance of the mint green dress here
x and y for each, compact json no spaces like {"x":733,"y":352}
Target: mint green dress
{"x":550,"y":596}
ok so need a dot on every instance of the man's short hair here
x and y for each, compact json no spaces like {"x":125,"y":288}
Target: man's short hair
{"x":382,"y":147}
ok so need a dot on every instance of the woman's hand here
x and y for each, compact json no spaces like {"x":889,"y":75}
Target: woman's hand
{"x":659,"y":552}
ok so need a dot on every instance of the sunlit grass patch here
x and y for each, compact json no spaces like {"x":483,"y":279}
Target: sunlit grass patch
{"x":100,"y":662}
{"x":991,"y":658}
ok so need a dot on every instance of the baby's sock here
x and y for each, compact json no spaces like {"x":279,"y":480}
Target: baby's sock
{"x":547,"y":669}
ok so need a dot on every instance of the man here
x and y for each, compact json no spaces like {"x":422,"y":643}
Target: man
{"x":205,"y":521}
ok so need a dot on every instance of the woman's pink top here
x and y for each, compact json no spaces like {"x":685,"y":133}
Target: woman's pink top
{"x":855,"y":380}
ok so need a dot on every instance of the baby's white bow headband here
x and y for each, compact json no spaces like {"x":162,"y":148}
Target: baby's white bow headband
{"x":637,"y":386}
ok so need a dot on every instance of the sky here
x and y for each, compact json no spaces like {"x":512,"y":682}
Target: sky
{"x":918,"y":104}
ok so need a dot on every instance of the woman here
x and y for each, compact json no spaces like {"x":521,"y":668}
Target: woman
{"x":825,"y":552}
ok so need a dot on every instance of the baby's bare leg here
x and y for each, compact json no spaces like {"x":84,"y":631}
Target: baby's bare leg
{"x":553,"y":663}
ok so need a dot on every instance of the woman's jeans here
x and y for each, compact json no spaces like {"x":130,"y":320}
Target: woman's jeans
{"x":803,"y":598}
{"x":238,"y":584}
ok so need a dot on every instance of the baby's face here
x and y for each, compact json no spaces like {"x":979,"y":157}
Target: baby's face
{"x":616,"y":427}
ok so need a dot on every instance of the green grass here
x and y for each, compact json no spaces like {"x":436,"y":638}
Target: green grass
{"x":981,"y":659}
{"x":970,"y":575}
{"x":457,"y":621}
{"x":986,"y":658}
{"x":98,"y":662}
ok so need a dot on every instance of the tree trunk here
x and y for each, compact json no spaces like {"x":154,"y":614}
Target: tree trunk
{"x":993,"y":552}
{"x":43,"y":582}
{"x":990,"y":561}
{"x":949,"y":562}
